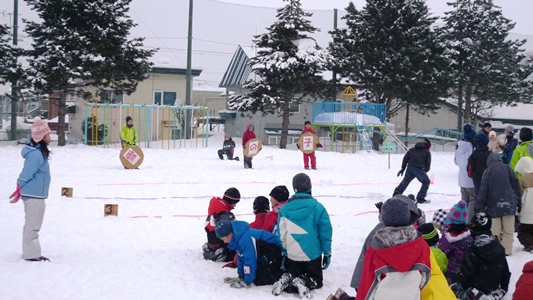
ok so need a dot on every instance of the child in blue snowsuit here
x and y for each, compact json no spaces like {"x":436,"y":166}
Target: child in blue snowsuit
{"x":259,"y":252}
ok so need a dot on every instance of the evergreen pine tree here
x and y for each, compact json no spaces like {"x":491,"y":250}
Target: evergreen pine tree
{"x":488,"y":68}
{"x":84,"y":43}
{"x":392,"y":54}
{"x":287,"y":67}
{"x":10,"y":70}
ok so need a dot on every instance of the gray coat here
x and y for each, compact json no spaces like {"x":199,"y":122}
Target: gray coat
{"x":358,"y":272}
{"x":499,"y":193}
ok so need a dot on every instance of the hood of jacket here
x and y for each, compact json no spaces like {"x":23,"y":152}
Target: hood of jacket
{"x":29,"y":149}
{"x":217,"y":205}
{"x":464,"y":147}
{"x":239,"y":228}
{"x":249,"y":125}
{"x":494,"y":159}
{"x":420,"y":145}
{"x":413,"y":250}
{"x":489,"y":248}
{"x":302,"y":205}
{"x":524,"y":165}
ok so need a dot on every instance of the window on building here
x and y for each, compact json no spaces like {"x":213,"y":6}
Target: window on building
{"x":293,"y":108}
{"x":111,"y":96}
{"x":165,"y":98}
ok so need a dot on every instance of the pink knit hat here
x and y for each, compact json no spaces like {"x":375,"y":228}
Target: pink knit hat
{"x":39,"y":129}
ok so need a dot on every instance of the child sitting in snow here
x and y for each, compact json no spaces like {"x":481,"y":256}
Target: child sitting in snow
{"x":259,"y":253}
{"x":310,"y":253}
{"x":219,"y":209}
{"x":456,"y":237}
{"x":525,"y":230}
{"x":484,"y":273}
{"x":278,"y":197}
{"x":429,"y":232}
{"x":524,"y":285}
{"x":398,"y":260}
{"x":261,"y":207}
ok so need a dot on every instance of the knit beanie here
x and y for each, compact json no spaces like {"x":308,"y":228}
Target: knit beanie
{"x":280,"y":193}
{"x":481,"y":221}
{"x":468,"y":132}
{"x":261,"y":205}
{"x":429,"y":232}
{"x":510,"y":129}
{"x":223,"y":228}
{"x":439,"y":218}
{"x":395,"y":212}
{"x":301,"y":183}
{"x":457,"y":214}
{"x":481,"y":140}
{"x":39,"y":129}
{"x":128,"y":118}
{"x":232,"y":195}
{"x":492,"y":133}
{"x":526,"y":134}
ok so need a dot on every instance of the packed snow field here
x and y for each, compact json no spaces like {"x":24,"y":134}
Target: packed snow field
{"x":152,"y":250}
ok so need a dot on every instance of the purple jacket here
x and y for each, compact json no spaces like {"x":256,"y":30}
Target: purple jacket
{"x":453,"y":245}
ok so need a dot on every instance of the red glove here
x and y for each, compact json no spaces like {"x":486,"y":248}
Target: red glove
{"x":319,"y":145}
{"x":15,"y":197}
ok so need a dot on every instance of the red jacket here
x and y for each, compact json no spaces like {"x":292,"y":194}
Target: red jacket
{"x":524,"y":285}
{"x":247,"y":135}
{"x":216,"y":205}
{"x":271,"y":218}
{"x":259,"y":220}
{"x":305,"y":130}
{"x":384,"y":262}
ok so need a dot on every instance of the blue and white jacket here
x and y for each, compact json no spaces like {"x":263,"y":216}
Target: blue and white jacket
{"x":245,"y":240}
{"x":304,"y":228}
{"x":35,"y":176}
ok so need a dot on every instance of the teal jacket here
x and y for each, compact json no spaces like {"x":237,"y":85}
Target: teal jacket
{"x":35,"y":176}
{"x":304,"y":228}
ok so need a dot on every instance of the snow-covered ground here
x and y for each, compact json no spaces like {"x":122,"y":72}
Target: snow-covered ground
{"x":152,"y":250}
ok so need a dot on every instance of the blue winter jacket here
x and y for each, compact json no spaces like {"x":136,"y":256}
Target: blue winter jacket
{"x":244,"y":241}
{"x":35,"y":176}
{"x":304,"y":228}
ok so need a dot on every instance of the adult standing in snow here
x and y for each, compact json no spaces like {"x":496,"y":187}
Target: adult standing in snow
{"x":509,"y":146}
{"x":485,"y":129}
{"x":248,"y":135}
{"x":524,"y":149}
{"x":418,"y":162}
{"x":477,"y":162}
{"x":33,"y":185}
{"x":464,"y":149}
{"x":128,"y":134}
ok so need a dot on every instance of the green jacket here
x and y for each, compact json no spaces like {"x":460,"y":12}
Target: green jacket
{"x":441,"y":258}
{"x":128,"y":136}
{"x":524,"y":149}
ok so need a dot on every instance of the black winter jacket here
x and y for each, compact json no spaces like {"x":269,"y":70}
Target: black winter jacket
{"x":477,"y":163}
{"x":499,"y":193}
{"x":229,"y":144}
{"x":484,"y":265}
{"x":418,"y":156}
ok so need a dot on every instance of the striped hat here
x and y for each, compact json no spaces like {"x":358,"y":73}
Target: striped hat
{"x":429,"y":233}
{"x":39,"y":129}
{"x":232,"y":195}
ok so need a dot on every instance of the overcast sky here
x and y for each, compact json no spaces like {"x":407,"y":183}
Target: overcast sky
{"x":520,"y":11}
{"x":221,"y":25}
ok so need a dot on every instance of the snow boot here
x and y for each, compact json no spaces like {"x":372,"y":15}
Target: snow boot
{"x":303,"y":290}
{"x":280,"y":285}
{"x":423,"y":201}
{"x":236,"y":158}
{"x":340,"y":294}
{"x":396,"y":192}
{"x":40,"y":258}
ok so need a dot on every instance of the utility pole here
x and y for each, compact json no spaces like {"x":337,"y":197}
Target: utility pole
{"x":334,"y":74}
{"x":189,"y":73}
{"x":14,"y":98}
